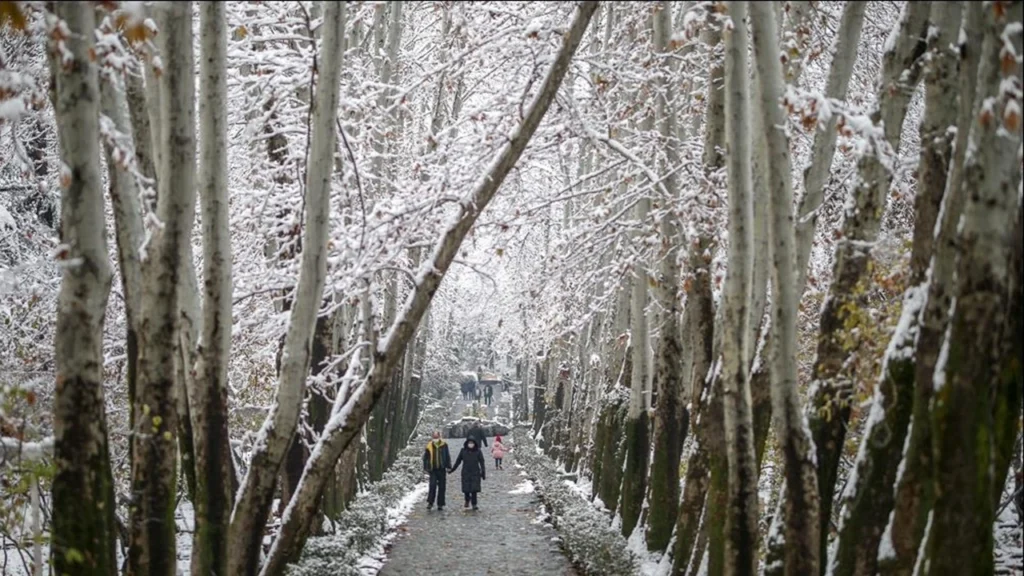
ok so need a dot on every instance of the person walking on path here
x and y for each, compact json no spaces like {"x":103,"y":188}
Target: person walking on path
{"x":477,"y":434}
{"x":436,"y":461}
{"x":498,"y":452}
{"x":472,"y":473}
{"x":488,"y":394}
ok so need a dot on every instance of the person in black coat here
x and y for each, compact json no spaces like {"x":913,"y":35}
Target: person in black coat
{"x":477,"y":434}
{"x":473,"y":472}
{"x":436,"y":461}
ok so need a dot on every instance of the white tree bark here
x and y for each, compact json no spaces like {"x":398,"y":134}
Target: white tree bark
{"x":36,"y":521}
{"x":83,"y":532}
{"x":213,"y":496}
{"x":815,"y":175}
{"x":256,"y":491}
{"x":127,"y":203}
{"x":867,"y":500}
{"x":913,"y":494}
{"x":973,"y":388}
{"x":831,"y":388}
{"x":349,"y":415}
{"x":802,"y":549}
{"x":124,"y":198}
{"x":154,"y":94}
{"x":637,"y":429}
{"x":190,"y":326}
{"x":701,"y":328}
{"x":670,"y":415}
{"x":844,"y":54}
{"x":794,"y":36}
{"x":154,"y":473}
{"x":741,"y":516}
{"x":387,"y":139}
{"x":116,"y":105}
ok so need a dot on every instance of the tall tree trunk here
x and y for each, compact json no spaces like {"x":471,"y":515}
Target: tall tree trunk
{"x":154,"y":481}
{"x":618,"y":374}
{"x":914,"y":493}
{"x":83,"y":532}
{"x":712,"y":434}
{"x":1007,"y":411}
{"x":387,"y":31}
{"x":701,"y":320}
{"x":349,"y":415}
{"x":841,"y":316}
{"x":741,"y":513}
{"x":124,"y":198}
{"x":844,"y":54}
{"x":209,"y":410}
{"x":669,"y":412}
{"x":140,"y":112}
{"x":186,"y":354}
{"x":968,"y":382}
{"x":154,"y":95}
{"x":253,"y":505}
{"x":539,"y":404}
{"x":868,"y":499}
{"x":1008,"y":394}
{"x":802,"y":503}
{"x":341,"y":487}
{"x":524,"y":392}
{"x":637,"y":426}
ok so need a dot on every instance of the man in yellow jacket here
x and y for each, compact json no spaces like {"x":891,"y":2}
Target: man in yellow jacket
{"x":436,"y":463}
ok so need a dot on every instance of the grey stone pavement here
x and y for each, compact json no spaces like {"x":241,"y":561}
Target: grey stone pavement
{"x":503,"y":538}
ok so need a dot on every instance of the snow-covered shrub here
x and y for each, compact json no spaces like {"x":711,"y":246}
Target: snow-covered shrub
{"x":363,"y":529}
{"x":460,"y":428}
{"x":594,"y":546}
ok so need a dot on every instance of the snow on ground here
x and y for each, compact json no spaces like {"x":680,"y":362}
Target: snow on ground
{"x":372,"y":562}
{"x":1009,"y":556}
{"x":184,"y":520}
{"x":650,"y":562}
{"x":581,"y":488}
{"x":524,"y":487}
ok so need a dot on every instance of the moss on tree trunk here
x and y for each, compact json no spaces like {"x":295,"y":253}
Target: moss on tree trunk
{"x":634,"y":475}
{"x":612,"y":458}
{"x":671,"y":421}
{"x":866,"y":513}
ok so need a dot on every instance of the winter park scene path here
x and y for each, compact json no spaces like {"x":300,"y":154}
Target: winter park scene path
{"x":503,"y":537}
{"x":745,"y":277}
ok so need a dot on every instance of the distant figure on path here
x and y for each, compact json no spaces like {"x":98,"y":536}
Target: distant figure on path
{"x":436,"y":461}
{"x":477,"y":434}
{"x":498,"y":452}
{"x":472,"y":473}
{"x":468,"y":385}
{"x":488,"y":394}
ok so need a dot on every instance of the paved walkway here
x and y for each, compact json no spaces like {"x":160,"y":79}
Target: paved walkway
{"x":502,"y":538}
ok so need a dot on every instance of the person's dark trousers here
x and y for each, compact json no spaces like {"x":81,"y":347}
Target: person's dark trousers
{"x":438,"y":479}
{"x":497,"y":462}
{"x":471,"y":498}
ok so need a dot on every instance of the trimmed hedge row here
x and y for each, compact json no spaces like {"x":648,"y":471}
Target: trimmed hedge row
{"x":592,"y":544}
{"x":362,"y":527}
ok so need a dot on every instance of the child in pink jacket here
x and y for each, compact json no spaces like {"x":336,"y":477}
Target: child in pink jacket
{"x":498,"y":452}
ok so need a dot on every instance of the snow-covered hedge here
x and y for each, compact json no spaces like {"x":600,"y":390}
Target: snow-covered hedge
{"x":460,"y":428}
{"x":367,"y":526}
{"x":592,"y":544}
